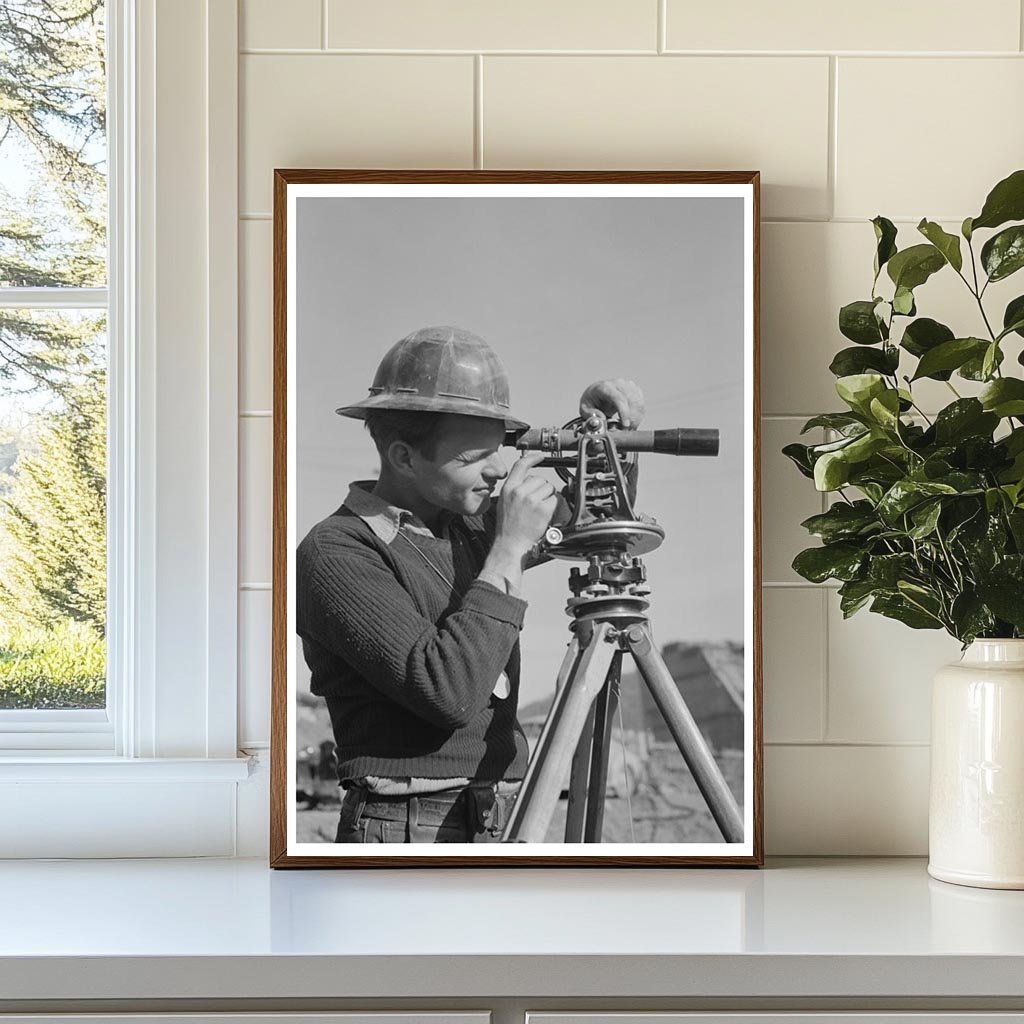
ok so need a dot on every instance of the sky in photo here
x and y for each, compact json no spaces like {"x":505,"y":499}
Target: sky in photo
{"x":567,"y":291}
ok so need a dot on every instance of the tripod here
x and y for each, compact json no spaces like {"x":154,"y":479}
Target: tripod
{"x":610,"y":619}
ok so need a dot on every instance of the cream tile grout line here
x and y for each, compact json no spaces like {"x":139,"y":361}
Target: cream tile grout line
{"x":833,"y":134}
{"x":1020,"y":21}
{"x":323,"y":24}
{"x":847,"y":743}
{"x":663,"y":26}
{"x":257,"y":215}
{"x":823,"y":724}
{"x":826,"y":692}
{"x":337,"y":51}
{"x":478,"y":112}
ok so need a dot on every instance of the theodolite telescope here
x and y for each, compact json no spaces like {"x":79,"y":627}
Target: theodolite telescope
{"x":591,"y":455}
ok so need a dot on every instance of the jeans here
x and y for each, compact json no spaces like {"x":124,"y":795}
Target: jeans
{"x":476,"y":814}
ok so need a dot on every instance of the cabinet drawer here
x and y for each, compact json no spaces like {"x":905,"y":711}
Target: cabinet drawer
{"x":354,"y":1017}
{"x":790,"y":1017}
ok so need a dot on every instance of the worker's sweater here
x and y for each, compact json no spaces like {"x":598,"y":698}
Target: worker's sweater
{"x":408,"y":668}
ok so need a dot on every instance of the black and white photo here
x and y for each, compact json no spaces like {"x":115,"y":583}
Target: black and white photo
{"x":516,"y":569}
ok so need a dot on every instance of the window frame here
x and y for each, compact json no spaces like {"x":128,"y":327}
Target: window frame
{"x":168,"y":769}
{"x":60,"y":730}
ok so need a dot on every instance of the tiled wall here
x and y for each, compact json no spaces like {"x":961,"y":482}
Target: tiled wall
{"x":906,"y":109}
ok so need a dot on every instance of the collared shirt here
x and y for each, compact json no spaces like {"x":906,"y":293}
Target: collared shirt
{"x":387,"y":521}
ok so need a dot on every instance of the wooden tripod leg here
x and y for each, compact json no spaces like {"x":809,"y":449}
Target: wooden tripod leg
{"x":601,"y":739}
{"x":686,"y":733}
{"x":579,"y":778}
{"x":549,"y":765}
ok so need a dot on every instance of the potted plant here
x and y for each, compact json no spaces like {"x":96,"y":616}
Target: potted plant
{"x":927,"y":521}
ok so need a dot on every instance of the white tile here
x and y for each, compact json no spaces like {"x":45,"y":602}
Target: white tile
{"x":846,"y":801}
{"x":694,"y":113}
{"x":787,"y":499}
{"x":880,"y":675}
{"x":497,"y":25}
{"x":793,"y":645}
{"x":255,"y":509}
{"x":351,"y":111}
{"x":808,"y":272}
{"x":254,"y":625}
{"x":868,"y":25}
{"x":255,"y":315}
{"x":961,"y":130}
{"x":269,"y":24}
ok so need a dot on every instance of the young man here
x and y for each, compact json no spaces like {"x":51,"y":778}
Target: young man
{"x":409,"y":600}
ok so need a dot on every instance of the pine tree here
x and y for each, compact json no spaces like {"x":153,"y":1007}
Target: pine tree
{"x":52,"y":123}
{"x":53,"y":234}
{"x":53,"y":519}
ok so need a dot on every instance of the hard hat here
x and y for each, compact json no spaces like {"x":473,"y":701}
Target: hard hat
{"x":440,"y":369}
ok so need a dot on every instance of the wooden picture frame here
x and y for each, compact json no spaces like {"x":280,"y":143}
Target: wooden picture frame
{"x":574,"y":271}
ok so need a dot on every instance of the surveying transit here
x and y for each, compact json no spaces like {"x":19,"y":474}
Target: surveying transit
{"x":608,"y":608}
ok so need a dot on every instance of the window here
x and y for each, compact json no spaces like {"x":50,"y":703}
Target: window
{"x":53,"y":368}
{"x":152,"y":770}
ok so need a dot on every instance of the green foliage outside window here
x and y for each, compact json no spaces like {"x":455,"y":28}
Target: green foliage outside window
{"x":52,"y":365}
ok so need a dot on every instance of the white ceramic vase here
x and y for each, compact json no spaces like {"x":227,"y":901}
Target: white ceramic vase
{"x":976,"y":815}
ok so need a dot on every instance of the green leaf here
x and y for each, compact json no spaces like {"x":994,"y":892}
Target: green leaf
{"x":854,"y":595}
{"x":857,"y":321}
{"x":887,"y":570}
{"x":903,"y":302}
{"x":923,"y":335}
{"x":856,"y":360}
{"x":950,"y":355}
{"x":912,"y":267}
{"x":831,"y":471}
{"x":966,"y":417}
{"x":990,"y":360}
{"x":1003,"y":254}
{"x":906,"y":494}
{"x":974,"y":368}
{"x":947,"y":244}
{"x":840,"y":561}
{"x":799,"y":454}
{"x":885,"y":236}
{"x":1005,"y":596}
{"x":899,"y":608}
{"x":1013,"y":317}
{"x":925,"y":518}
{"x":1005,"y":202}
{"x":885,"y":409}
{"x":965,"y":229}
{"x":1004,"y":397}
{"x":841,"y":421}
{"x":970,"y":617}
{"x":858,"y":389}
{"x":842,"y":521}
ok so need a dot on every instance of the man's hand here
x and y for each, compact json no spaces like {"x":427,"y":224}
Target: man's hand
{"x":525,"y":506}
{"x":611,"y":397}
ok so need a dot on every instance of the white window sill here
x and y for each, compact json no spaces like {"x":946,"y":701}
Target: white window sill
{"x":81,"y":767}
{"x":80,"y":806}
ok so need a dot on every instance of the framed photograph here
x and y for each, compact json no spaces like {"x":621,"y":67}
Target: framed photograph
{"x":516,"y":562}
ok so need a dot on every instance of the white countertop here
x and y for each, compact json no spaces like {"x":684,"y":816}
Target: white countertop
{"x":234,"y":929}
